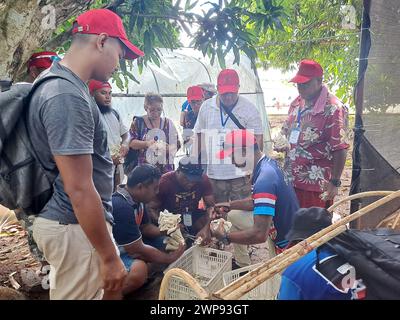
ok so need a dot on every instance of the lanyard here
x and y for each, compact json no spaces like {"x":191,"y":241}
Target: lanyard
{"x":223,"y":122}
{"x":299,"y":114}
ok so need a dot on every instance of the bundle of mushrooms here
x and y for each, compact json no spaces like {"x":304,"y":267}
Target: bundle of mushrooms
{"x":170,"y":222}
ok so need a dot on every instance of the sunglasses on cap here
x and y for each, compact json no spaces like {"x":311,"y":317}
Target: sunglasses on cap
{"x":55,"y":58}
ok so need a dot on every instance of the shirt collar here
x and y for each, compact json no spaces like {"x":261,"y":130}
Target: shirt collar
{"x":121,"y":190}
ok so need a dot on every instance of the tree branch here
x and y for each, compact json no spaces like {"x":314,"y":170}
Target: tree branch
{"x":58,"y":40}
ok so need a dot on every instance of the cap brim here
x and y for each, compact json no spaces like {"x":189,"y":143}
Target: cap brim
{"x":294,"y":235}
{"x":133,"y":52}
{"x":195,"y":98}
{"x":224,"y":153}
{"x":228,"y":89}
{"x":301,"y":234}
{"x":300,"y":79}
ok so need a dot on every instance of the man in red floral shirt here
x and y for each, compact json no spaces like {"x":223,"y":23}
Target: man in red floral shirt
{"x":316,"y":131}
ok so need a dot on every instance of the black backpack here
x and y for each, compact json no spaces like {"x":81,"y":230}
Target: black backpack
{"x":24,"y":183}
{"x":375,"y":256}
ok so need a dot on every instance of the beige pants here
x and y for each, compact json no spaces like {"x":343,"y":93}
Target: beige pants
{"x":236,"y":189}
{"x":242,"y":220}
{"x":75,"y":264}
{"x":233,"y":189}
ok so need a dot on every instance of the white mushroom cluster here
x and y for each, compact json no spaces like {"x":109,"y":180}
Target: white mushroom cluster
{"x":281,"y":142}
{"x":215,"y":223}
{"x":170,"y":222}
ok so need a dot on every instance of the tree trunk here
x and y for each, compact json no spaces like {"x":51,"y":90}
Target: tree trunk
{"x":27,"y":25}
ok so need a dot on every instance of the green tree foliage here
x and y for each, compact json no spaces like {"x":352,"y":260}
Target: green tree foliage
{"x":324,"y":30}
{"x":272,"y":33}
{"x":151,"y":24}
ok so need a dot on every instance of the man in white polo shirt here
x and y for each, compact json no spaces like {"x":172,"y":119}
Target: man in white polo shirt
{"x":222,"y":113}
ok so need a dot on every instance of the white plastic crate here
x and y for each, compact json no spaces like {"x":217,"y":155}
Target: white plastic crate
{"x":206,"y":265}
{"x":268,"y":290}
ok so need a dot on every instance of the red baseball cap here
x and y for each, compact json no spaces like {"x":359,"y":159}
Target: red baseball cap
{"x":98,"y":21}
{"x":42,"y":59}
{"x":234,"y":139}
{"x":308,"y":69}
{"x":228,"y":81}
{"x":96,"y":85}
{"x":195,"y":93}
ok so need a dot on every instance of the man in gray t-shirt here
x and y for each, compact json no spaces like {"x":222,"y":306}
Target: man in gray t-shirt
{"x":74,"y":228}
{"x":64,"y":120}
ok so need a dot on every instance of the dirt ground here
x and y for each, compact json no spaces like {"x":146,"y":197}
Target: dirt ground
{"x":18,"y":267}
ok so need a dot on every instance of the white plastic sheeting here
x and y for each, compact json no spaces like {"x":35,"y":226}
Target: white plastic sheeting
{"x":179,"y":70}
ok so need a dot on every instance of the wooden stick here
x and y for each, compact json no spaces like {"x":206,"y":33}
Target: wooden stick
{"x":388,"y":219}
{"x":260,"y":274}
{"x":359,"y":196}
{"x":185,"y":277}
{"x":221,"y":294}
{"x":282,"y":264}
{"x":396,"y":221}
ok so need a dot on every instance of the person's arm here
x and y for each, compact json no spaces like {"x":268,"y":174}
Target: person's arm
{"x":76,"y":173}
{"x":153,"y":209}
{"x":199,"y":147}
{"x":124,"y":145}
{"x":135,"y":143}
{"x":151,"y":231}
{"x":260,"y":141}
{"x":339,"y":160}
{"x":148,"y":253}
{"x":222,"y":208}
{"x":182,"y":119}
{"x":139,"y":144}
{"x":205,"y":232}
{"x":338,"y":125}
{"x":258,"y":233}
{"x":254,"y":123}
{"x":264,"y":198}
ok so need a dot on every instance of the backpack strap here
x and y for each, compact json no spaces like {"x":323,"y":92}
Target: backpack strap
{"x":230,"y":113}
{"x":139,"y":123}
{"x":35,"y":86}
{"x":116,"y":114}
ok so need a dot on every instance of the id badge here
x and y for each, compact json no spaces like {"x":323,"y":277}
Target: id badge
{"x":221,"y":137}
{"x":187,"y":219}
{"x":294,"y":136}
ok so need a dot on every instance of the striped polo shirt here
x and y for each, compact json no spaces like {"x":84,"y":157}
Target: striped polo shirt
{"x":274,"y":197}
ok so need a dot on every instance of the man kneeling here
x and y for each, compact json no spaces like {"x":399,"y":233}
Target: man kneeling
{"x":131,"y":221}
{"x":180,"y":193}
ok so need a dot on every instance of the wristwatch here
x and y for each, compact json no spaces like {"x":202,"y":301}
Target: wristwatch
{"x":336,"y":182}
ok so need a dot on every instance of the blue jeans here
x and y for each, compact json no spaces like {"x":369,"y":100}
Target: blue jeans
{"x":155,"y":242}
{"x":128,"y":259}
